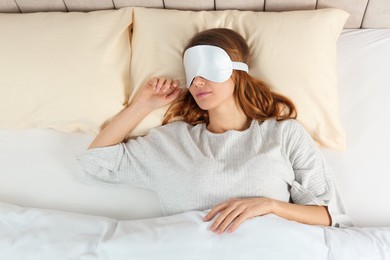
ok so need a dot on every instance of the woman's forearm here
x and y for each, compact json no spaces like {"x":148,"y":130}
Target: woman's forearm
{"x":155,"y":93}
{"x":312,"y":215}
{"x":117,"y":130}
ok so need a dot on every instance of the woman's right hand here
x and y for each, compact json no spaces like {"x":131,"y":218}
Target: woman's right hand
{"x":158,"y":92}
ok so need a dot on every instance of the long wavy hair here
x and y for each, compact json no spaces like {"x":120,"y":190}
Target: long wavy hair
{"x":253,"y":96}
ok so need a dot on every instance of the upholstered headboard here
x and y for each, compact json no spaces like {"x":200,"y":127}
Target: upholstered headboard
{"x":364,"y":13}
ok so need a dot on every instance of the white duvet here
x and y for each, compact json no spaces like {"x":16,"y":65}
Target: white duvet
{"x":30,"y":233}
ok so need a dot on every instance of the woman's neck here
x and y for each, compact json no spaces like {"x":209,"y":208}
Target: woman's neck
{"x":228,"y":117}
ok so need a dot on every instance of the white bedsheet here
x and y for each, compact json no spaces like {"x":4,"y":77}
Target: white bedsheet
{"x":38,"y":167}
{"x":27,"y":233}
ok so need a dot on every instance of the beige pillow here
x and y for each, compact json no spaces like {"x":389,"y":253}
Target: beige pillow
{"x":294,"y":52}
{"x":67,"y":71}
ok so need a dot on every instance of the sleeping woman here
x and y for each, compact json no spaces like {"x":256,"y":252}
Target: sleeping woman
{"x":227,"y":143}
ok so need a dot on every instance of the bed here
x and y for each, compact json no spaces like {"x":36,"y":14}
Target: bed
{"x":48,"y":212}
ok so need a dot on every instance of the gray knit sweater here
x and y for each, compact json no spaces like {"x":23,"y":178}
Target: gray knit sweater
{"x":191,"y":168}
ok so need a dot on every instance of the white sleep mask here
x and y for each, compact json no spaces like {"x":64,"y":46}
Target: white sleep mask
{"x":210,"y":62}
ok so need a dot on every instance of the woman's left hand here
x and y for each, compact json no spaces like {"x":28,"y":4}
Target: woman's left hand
{"x":235,"y":211}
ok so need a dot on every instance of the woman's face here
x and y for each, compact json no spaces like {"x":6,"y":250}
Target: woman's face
{"x":209,"y":95}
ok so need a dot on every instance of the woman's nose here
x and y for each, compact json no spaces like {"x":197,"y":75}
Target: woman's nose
{"x":199,"y":81}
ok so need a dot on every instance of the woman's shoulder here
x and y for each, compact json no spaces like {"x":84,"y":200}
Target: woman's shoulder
{"x":287,"y":132}
{"x":171,"y":128}
{"x":171,"y":131}
{"x":282,"y":126}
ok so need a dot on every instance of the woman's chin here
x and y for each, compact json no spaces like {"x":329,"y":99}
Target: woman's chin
{"x":205,"y":106}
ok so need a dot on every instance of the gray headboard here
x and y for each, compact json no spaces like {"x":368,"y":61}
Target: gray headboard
{"x":364,"y":13}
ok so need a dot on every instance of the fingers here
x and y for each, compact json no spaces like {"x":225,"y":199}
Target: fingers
{"x":214,"y":211}
{"x":232,"y":217}
{"x":157,"y":82}
{"x":236,"y":210}
{"x":153,"y":82}
{"x":225,"y":219}
{"x":158,"y":92}
{"x":163,"y":85}
{"x":175,"y":84}
{"x":174,"y":95}
{"x":238,"y":222}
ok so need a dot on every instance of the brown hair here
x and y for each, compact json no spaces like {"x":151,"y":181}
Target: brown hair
{"x":253,"y":95}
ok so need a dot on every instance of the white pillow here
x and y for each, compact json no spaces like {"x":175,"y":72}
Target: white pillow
{"x":67,"y":71}
{"x":363,"y":69}
{"x":294,"y":52}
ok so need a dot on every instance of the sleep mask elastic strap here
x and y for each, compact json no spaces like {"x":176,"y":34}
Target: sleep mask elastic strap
{"x":240,"y":66}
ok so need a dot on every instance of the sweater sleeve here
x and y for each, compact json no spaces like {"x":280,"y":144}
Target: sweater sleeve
{"x":314,"y":183}
{"x":121,"y":163}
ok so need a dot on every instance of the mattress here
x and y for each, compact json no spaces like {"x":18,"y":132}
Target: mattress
{"x":38,"y":167}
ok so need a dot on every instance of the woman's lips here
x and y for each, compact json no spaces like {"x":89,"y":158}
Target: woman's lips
{"x":202,"y":94}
